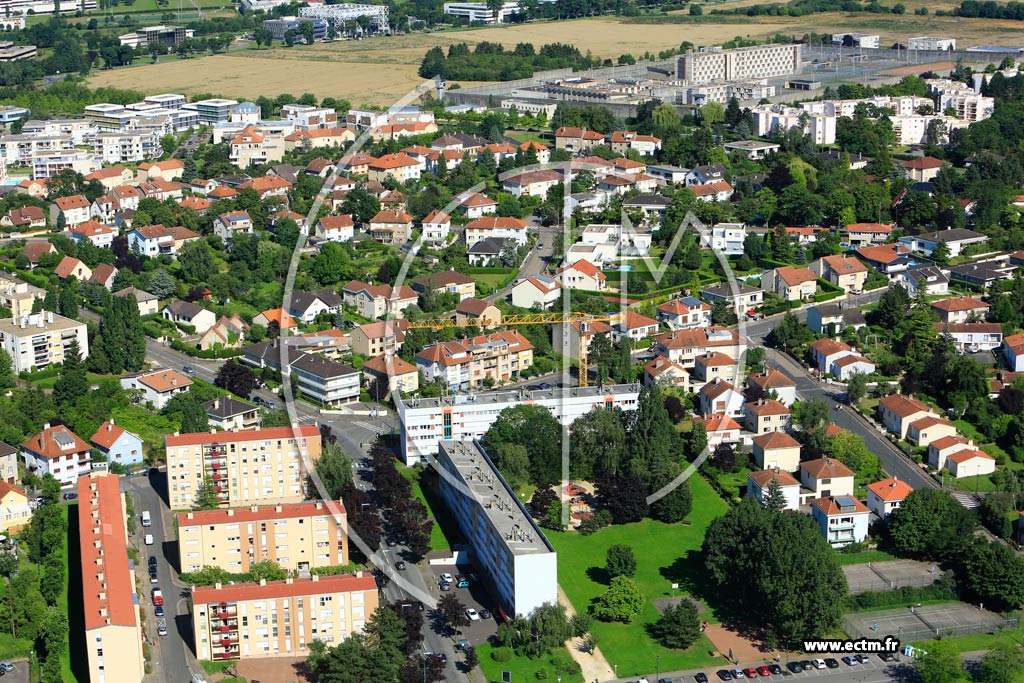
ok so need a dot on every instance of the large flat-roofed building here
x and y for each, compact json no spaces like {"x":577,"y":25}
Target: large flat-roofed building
{"x":216,"y":110}
{"x":255,"y":466}
{"x":280,"y":618}
{"x":931,"y":43}
{"x":113,"y":627}
{"x":9,"y":52}
{"x":428,"y":421}
{"x":40,"y":339}
{"x":344,"y":15}
{"x":282,"y":26}
{"x":171,"y":36}
{"x":739,"y":64}
{"x":514,"y":555}
{"x":298,"y":537}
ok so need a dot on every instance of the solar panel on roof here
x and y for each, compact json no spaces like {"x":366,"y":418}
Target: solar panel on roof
{"x":846,"y":503}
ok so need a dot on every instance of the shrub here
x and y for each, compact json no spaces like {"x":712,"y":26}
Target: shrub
{"x":501,"y":654}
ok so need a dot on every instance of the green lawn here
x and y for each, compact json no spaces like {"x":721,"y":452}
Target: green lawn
{"x":151,"y":427}
{"x":666,"y":554}
{"x":48,"y":382}
{"x":492,"y":281}
{"x":980,"y":641}
{"x":524,"y":668}
{"x":866,"y":556}
{"x":445,"y":531}
{"x":735,"y":482}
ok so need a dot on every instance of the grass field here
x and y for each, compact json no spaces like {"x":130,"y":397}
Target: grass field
{"x":445,"y":531}
{"x":866,"y":556}
{"x":666,"y":554}
{"x":523,"y":668}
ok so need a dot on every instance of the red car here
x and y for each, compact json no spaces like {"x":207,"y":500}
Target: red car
{"x":750,"y":673}
{"x":764,"y":670}
{"x":158,"y":597}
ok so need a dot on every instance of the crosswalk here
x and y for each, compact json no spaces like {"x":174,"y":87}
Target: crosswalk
{"x":370,"y":427}
{"x":307,"y":419}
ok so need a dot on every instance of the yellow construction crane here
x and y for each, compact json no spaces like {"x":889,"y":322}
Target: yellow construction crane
{"x":583,"y":319}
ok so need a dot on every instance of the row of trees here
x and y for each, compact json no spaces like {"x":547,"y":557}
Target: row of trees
{"x":491,"y":62}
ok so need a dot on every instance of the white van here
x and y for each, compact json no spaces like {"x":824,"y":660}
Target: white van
{"x":149,"y":539}
{"x":146,"y":519}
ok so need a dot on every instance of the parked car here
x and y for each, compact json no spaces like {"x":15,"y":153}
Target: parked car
{"x":149,"y":539}
{"x":446,"y":578}
{"x":485,"y":614}
{"x":738,"y":674}
{"x":152,"y":560}
{"x":400,"y":565}
{"x":725,"y":675}
{"x":806,"y":665}
{"x":775,"y":669}
{"x":794,"y":667}
{"x":864,"y":659}
{"x":850,"y":661}
{"x":187,"y":369}
{"x":472,"y":614}
{"x":159,"y":611}
{"x":763,"y":671}
{"x":7,"y":666}
{"x":158,"y":597}
{"x":750,"y":672}
{"x":70,"y":496}
{"x":831,"y":663}
{"x":701,"y":677}
{"x":161,"y":630}
{"x":887,"y":657}
{"x":445,"y":587}
{"x":819,"y":663}
{"x":463,"y":584}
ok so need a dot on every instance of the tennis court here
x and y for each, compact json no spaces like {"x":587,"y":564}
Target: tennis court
{"x":874,"y":577}
{"x":928,"y":621}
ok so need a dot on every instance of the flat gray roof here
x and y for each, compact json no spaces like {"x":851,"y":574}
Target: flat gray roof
{"x":517,"y":396}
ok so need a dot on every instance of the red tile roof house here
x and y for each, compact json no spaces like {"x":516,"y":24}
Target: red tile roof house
{"x":898,"y":412}
{"x":960,"y":309}
{"x":922,"y":169}
{"x":72,"y":267}
{"x":886,"y":496}
{"x":720,"y":428}
{"x":157,"y":386}
{"x":75,"y":209}
{"x":792,"y":284}
{"x":118,"y":444}
{"x":334,"y":228}
{"x":104,"y":275}
{"x":24,"y":217}
{"x":765,"y":415}
{"x":391,"y":227}
{"x":57,"y":451}
{"x":760,"y":481}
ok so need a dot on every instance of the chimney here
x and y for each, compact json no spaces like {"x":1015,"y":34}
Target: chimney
{"x":177,"y":433}
{"x":277,"y":508}
{"x":216,"y":403}
{"x":231,"y":512}
{"x":218,"y":585}
{"x":190,"y":515}
{"x":289,"y":580}
{"x":49,"y":316}
{"x":263,"y":582}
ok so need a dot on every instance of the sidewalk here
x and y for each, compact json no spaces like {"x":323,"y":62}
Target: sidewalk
{"x":593,"y":664}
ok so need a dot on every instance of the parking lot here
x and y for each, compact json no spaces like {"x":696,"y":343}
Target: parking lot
{"x":19,"y":674}
{"x":474,"y":597}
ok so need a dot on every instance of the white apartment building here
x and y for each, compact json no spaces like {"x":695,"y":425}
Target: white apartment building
{"x":769,"y":118}
{"x":740,"y":64}
{"x":903,"y":105}
{"x":867,"y":41}
{"x":515,"y":557}
{"x":931,"y":43}
{"x":39,"y":339}
{"x":428,"y":421}
{"x":254,"y":466}
{"x":130,"y":147}
{"x":725,"y":238}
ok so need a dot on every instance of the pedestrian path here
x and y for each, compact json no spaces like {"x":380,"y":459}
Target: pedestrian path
{"x":595,"y":667}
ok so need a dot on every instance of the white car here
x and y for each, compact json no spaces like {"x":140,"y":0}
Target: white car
{"x":446,"y":578}
{"x":161,"y":630}
{"x":472,"y":614}
{"x":819,"y":663}
{"x":149,"y":539}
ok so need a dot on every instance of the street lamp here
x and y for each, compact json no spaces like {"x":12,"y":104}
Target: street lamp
{"x":657,"y":669}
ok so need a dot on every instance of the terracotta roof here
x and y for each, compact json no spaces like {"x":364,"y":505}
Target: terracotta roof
{"x":249,"y":135}
{"x":442,"y":279}
{"x":929,"y":421}
{"x":336,"y":222}
{"x":767,"y":406}
{"x":660,"y":364}
{"x":714,"y":359}
{"x":966,"y":454}
{"x":902,"y":405}
{"x":393,"y":366}
{"x":496,"y":222}
{"x":239,"y":592}
{"x":632,"y":320}
{"x":883,"y":253}
{"x":772,"y":440}
{"x":477,"y":199}
{"x":922,"y":163}
{"x":91,"y":228}
{"x":384,"y":328}
{"x":266,"y":184}
{"x":390,"y":161}
{"x":389,"y":216}
{"x":830,"y":507}
{"x":260,"y":513}
{"x":280,"y":316}
{"x":268,"y":434}
{"x":104,"y":173}
{"x":697,"y":338}
{"x":717,"y":422}
{"x":826,"y":347}
{"x":890,"y":489}
{"x":681,"y":307}
{"x":107,"y":434}
{"x":960,"y":303}
{"x":103,"y":273}
{"x":222,"y":192}
{"x":709,"y":189}
{"x":841,"y":265}
{"x":75,"y":201}
{"x":108,"y":584}
{"x":6,"y":488}
{"x":826,"y":468}
{"x":473,"y":306}
{"x":945,"y":442}
{"x":67,"y":266}
{"x":26,"y":214}
{"x":966,"y":328}
{"x":1015,"y":342}
{"x":713,"y":390}
{"x":574,"y":132}
{"x":33,"y":250}
{"x":459,"y":351}
{"x":771,"y":380}
{"x":163,"y":380}
{"x":851,"y":360}
{"x":795,"y":276}
{"x":437,"y":216}
{"x":195,"y":203}
{"x":44,"y":444}
{"x":533,"y":145}
{"x":763,"y":478}
{"x":869,"y":227}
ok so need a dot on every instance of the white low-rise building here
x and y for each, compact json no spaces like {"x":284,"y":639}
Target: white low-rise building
{"x":37,"y":340}
{"x":842,"y":519}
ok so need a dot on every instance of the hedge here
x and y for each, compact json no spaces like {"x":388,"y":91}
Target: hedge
{"x":179,"y":345}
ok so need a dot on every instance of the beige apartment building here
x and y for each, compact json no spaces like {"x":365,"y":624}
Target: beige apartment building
{"x":255,"y":466}
{"x":474,"y":362}
{"x":113,"y":627}
{"x":280,"y":618}
{"x":19,"y":296}
{"x":302,"y":536}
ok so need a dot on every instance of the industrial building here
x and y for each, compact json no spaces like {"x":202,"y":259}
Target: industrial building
{"x":739,"y":64}
{"x":511,"y":551}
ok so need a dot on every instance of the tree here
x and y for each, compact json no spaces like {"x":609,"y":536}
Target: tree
{"x":513,"y":462}
{"x":812,"y":416}
{"x":334,"y":469}
{"x":1004,"y":663}
{"x":931,"y":524}
{"x":597,"y":443}
{"x":790,"y":332}
{"x":539,"y":432}
{"x":676,"y":504}
{"x":196,"y":262}
{"x":654,"y":440}
{"x":940,"y":254}
{"x":237,"y":378}
{"x":620,"y":561}
{"x":942,"y":664}
{"x":267,"y":570}
{"x":189,"y":412}
{"x":856,"y":388}
{"x":207,"y":497}
{"x":72,"y":382}
{"x":452,"y":612}
{"x":624,"y":497}
{"x":361,"y":204}
{"x":995,"y":574}
{"x":330,"y":264}
{"x":622,"y":601}
{"x":471,"y":659}
{"x":775,"y":498}
{"x":892,"y":307}
{"x":850,"y":449}
{"x":777,"y":568}
{"x":679,"y":625}
{"x":162,"y":285}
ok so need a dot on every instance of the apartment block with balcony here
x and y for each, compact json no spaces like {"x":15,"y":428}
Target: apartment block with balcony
{"x":41,"y":339}
{"x":298,"y":537}
{"x":256,"y":466}
{"x":476,"y":362}
{"x":842,"y":519}
{"x":280,"y":618}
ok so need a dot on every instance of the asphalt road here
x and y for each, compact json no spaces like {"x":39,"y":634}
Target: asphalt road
{"x":536,"y":261}
{"x":172,"y":652}
{"x":875,"y":671}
